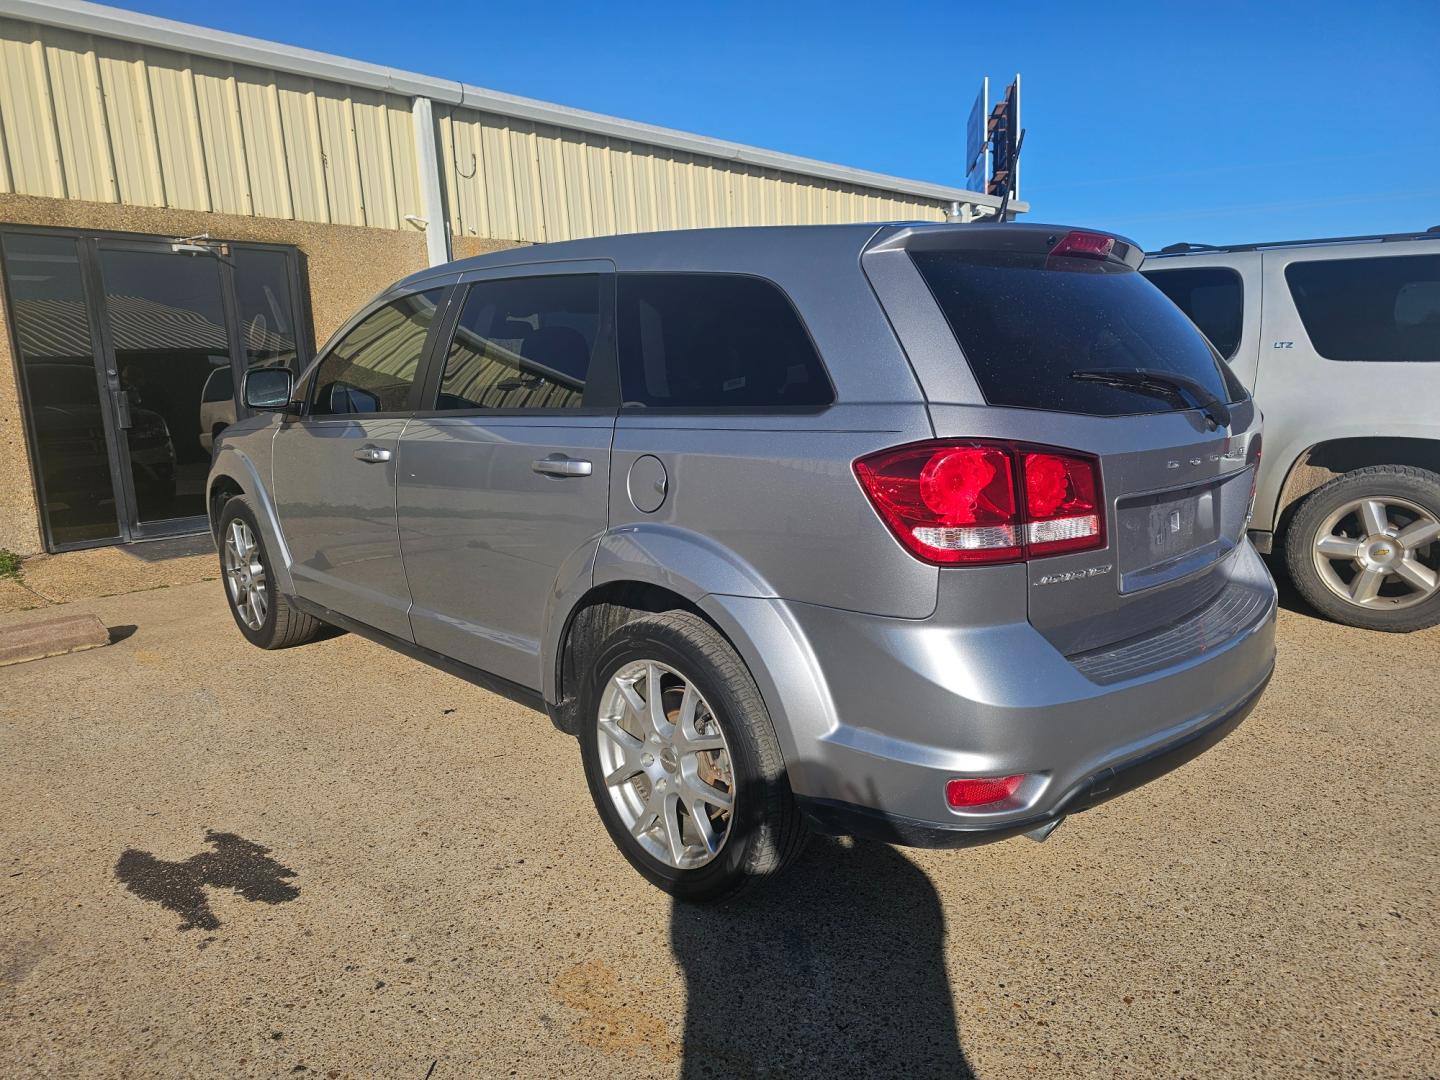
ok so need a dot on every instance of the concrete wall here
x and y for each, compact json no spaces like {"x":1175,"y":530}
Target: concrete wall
{"x":345,"y":266}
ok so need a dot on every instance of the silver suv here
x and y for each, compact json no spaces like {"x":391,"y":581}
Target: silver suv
{"x":929,"y":533}
{"x":1339,"y":340}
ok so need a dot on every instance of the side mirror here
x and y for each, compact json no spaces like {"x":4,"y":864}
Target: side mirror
{"x":269,"y":389}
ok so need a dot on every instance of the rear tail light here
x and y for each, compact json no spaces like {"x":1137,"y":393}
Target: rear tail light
{"x":967,"y":502}
{"x":981,"y":790}
{"x":1062,"y":501}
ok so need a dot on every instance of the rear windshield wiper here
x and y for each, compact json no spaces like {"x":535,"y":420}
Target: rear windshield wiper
{"x":1165,"y":384}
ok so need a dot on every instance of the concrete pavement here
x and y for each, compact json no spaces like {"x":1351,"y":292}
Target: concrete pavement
{"x":334,"y":861}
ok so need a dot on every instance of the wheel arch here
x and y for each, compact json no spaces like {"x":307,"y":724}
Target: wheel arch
{"x":597,"y":614}
{"x":640,"y":566}
{"x":661,"y":568}
{"x":234,"y":473}
{"x":1318,"y":464}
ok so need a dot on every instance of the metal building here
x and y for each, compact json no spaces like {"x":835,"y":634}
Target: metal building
{"x":177,"y":204}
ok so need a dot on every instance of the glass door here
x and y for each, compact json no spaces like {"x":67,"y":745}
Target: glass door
{"x":171,"y":367}
{"x":69,"y":419}
{"x":130,"y":351}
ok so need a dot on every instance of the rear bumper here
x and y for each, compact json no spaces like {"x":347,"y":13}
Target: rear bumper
{"x":847,"y":819}
{"x":875,"y":715}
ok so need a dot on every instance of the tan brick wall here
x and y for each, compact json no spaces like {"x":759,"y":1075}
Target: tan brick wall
{"x":346,"y":265}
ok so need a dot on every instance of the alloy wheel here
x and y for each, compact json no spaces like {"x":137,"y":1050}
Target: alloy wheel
{"x":245,"y":574}
{"x":666,"y":764}
{"x":1379,"y":553}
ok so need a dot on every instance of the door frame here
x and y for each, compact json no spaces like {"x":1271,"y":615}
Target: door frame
{"x":88,"y":243}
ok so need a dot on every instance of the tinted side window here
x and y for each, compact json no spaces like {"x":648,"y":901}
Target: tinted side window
{"x":372,"y":368}
{"x":1380,"y":309}
{"x":1213,"y":297}
{"x":523,"y":343}
{"x":714,"y":341}
{"x":220,"y":386}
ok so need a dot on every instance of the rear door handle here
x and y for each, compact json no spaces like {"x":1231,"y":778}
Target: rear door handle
{"x":372,"y":454}
{"x":560,"y":465}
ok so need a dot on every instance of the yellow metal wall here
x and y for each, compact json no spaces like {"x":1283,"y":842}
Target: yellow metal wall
{"x":91,"y":118}
{"x":85,"y":117}
{"x":518,"y":180}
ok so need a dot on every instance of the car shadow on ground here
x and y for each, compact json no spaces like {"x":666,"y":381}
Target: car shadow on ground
{"x":1290,"y":598}
{"x":837,"y":968}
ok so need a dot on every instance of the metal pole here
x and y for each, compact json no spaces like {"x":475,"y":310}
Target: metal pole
{"x":432,"y":202}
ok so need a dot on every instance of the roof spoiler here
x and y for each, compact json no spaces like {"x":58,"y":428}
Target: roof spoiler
{"x":1014,"y":237}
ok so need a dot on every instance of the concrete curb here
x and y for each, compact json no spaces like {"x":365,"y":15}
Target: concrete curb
{"x":51,"y":637}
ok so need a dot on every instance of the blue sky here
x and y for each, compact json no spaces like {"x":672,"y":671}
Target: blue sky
{"x":1210,"y":122}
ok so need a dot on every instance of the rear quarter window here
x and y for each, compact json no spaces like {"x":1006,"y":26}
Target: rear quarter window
{"x":220,"y":386}
{"x":714,"y":342}
{"x":1212,"y":296}
{"x":1375,"y":310}
{"x":1028,"y":324}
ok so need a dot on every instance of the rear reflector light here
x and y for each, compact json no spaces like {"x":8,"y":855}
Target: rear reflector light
{"x":981,"y":790}
{"x":967,"y":502}
{"x":1084,"y":245}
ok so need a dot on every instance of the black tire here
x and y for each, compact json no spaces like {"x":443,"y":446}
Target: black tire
{"x":767,"y":830}
{"x":284,"y":625}
{"x":1420,"y":487}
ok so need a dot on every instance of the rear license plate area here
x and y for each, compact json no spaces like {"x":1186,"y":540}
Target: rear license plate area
{"x":1156,"y":531}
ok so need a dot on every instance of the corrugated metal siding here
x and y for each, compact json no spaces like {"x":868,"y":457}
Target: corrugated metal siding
{"x":88,"y":117}
{"x":517,"y":180}
{"x":84,"y":117}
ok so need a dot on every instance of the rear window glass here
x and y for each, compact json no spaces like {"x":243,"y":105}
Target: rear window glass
{"x":1029,"y":324}
{"x":714,"y":341}
{"x":1212,"y":296}
{"x":1379,"y":309}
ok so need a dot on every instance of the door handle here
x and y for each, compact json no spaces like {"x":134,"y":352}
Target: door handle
{"x":560,"y":465}
{"x":372,"y":454}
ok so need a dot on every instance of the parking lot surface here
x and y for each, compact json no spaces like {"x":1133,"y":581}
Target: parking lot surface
{"x":334,"y":861}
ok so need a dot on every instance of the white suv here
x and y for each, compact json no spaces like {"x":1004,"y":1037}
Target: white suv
{"x":1339,"y":341}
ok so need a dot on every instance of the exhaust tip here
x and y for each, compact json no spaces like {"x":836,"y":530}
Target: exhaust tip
{"x":1043,"y":832}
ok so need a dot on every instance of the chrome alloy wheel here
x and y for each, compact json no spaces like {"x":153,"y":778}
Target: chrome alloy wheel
{"x":666,"y":764}
{"x":1380,"y":553}
{"x":245,"y":574}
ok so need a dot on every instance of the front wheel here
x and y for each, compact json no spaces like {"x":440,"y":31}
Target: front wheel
{"x":682,"y":760}
{"x":1365,"y":548}
{"x":265,"y":617}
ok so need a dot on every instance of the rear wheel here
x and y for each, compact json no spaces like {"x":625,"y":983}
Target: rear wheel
{"x":1365,"y":548}
{"x":264,"y":616}
{"x":682,"y":760}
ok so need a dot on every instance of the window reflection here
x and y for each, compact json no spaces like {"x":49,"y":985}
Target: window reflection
{"x":263,"y":298}
{"x":525,"y":343}
{"x":373,"y":367}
